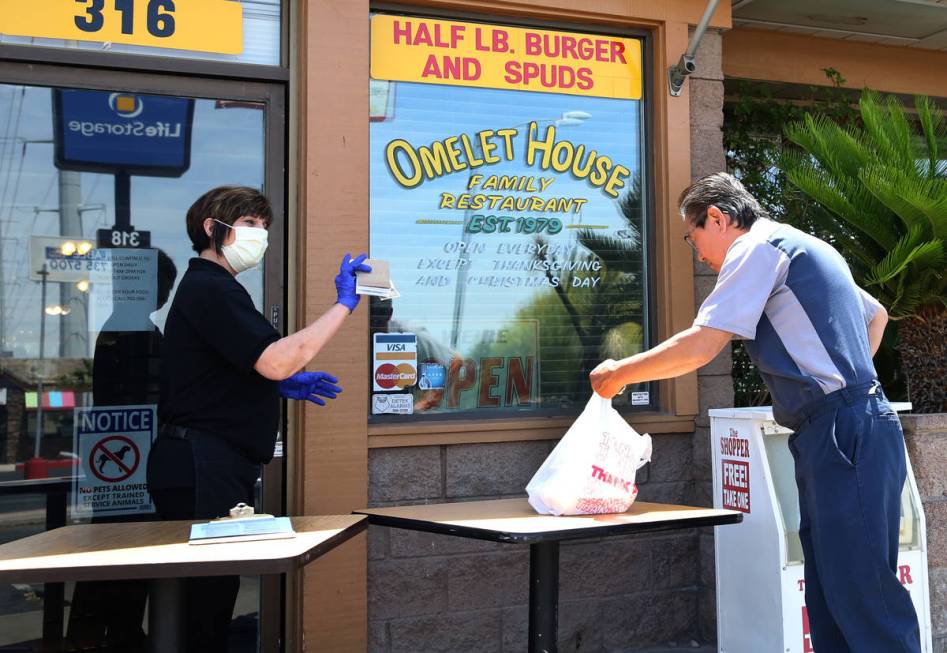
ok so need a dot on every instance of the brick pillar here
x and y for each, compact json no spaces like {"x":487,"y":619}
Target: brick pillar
{"x":715,"y":383}
{"x":926,"y":438}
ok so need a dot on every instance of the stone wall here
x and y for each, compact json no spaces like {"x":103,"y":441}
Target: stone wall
{"x":436,"y":593}
{"x":926,"y":438}
{"x":715,"y":383}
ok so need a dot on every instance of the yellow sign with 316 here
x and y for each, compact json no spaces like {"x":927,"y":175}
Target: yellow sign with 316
{"x":205,"y":26}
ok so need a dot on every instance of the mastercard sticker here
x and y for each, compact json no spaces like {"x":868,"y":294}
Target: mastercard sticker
{"x":394,"y":365}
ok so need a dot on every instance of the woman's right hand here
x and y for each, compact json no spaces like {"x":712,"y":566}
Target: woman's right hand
{"x":345,"y":280}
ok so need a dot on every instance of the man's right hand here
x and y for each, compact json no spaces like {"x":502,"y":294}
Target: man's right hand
{"x":605,"y":379}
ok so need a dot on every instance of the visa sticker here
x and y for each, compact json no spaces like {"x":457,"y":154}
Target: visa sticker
{"x":395,"y":361}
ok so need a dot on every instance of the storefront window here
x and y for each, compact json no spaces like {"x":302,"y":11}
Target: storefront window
{"x":94,"y":188}
{"x":508,"y":195}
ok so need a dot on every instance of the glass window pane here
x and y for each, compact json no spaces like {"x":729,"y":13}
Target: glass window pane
{"x":515,"y":226}
{"x":81,"y":314}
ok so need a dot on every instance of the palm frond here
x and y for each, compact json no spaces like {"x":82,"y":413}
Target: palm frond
{"x":899,"y":131}
{"x":929,"y":254}
{"x":837,"y":150}
{"x":882,"y":193}
{"x":932,"y":126}
{"x":888,"y":185}
{"x":813,"y":183}
{"x":916,"y":200}
{"x":865,"y":201}
{"x":886,"y":138}
{"x":877,"y":274}
{"x":909,"y":298}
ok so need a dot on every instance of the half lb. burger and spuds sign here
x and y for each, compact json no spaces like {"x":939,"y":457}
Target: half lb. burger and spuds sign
{"x":412,"y":49}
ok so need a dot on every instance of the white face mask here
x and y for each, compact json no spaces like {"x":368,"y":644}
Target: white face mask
{"x":247,"y":249}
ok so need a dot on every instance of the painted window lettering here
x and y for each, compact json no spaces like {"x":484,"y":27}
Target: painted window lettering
{"x":506,"y":187}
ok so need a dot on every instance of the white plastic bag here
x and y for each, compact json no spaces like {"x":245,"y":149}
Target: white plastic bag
{"x":592,"y":469}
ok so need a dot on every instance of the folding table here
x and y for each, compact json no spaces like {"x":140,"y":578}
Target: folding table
{"x":514,"y":521}
{"x":159,"y":551}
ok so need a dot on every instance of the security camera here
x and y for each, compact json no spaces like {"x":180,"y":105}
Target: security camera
{"x":677,"y":74}
{"x":687,"y":64}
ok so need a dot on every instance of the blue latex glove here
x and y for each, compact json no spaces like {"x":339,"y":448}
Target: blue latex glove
{"x":345,"y":280}
{"x":310,"y":386}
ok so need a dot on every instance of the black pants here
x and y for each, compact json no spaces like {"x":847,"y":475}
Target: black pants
{"x":107,"y":616}
{"x":202,"y":478}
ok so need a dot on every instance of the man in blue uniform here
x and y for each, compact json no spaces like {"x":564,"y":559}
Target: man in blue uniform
{"x":812,"y":333}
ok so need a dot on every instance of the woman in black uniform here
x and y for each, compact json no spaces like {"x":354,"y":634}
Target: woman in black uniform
{"x":224,"y":367}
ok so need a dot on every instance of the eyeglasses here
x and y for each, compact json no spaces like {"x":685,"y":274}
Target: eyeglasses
{"x":687,"y":236}
{"x":690,"y":242}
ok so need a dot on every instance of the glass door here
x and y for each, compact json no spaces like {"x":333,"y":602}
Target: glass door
{"x":95,"y":181}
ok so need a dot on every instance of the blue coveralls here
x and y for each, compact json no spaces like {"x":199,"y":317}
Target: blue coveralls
{"x":793,"y":299}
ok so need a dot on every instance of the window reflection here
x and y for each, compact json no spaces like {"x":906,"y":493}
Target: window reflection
{"x":515,"y":225}
{"x":89,"y":259}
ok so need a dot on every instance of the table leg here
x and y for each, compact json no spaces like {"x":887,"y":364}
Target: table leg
{"x":543,"y":597}
{"x":165,"y":615}
{"x":54,"y":593}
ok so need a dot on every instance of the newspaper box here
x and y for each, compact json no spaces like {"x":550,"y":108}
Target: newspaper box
{"x":760,"y":586}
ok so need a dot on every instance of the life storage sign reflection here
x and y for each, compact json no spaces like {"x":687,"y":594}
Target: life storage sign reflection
{"x":395,"y":361}
{"x":413,"y":49}
{"x":112,"y":444}
{"x":102,"y":131}
{"x":204,"y":26}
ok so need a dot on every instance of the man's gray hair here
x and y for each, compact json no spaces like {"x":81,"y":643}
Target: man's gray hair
{"x":724,"y":191}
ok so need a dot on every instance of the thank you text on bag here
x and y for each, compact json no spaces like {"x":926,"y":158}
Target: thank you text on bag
{"x":592,"y":469}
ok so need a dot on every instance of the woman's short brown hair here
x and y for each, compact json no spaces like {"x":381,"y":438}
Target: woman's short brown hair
{"x":227,"y":204}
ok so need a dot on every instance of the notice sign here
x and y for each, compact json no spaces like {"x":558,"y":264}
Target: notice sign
{"x":113,"y":443}
{"x":124,"y":290}
{"x":99,"y":131}
{"x":736,"y":485}
{"x":205,"y":26}
{"x":412,"y":49}
{"x":395,"y":361}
